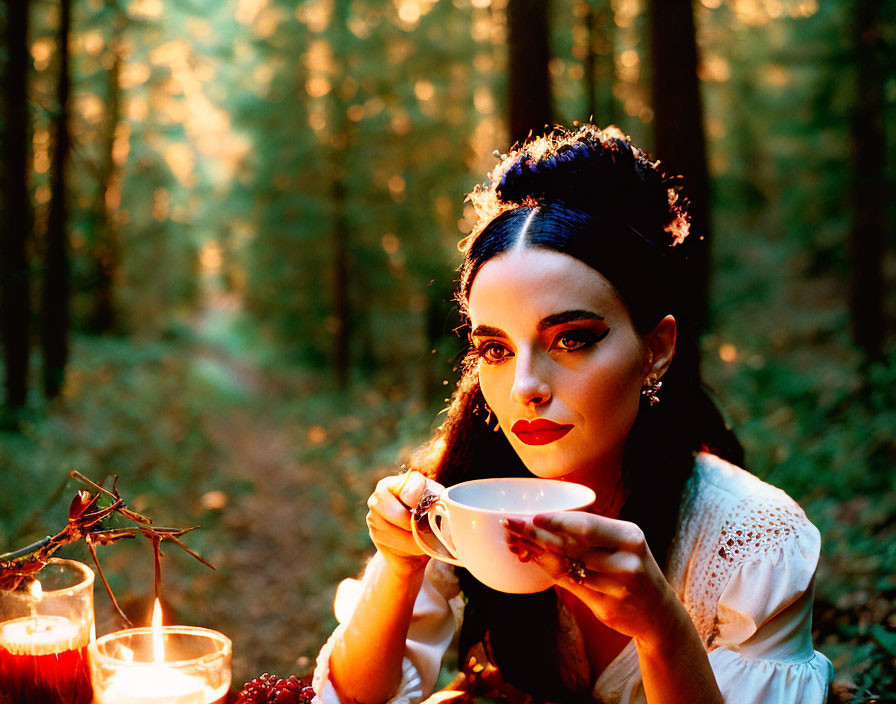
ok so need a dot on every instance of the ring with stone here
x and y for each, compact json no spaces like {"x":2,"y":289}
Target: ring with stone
{"x":575,"y":570}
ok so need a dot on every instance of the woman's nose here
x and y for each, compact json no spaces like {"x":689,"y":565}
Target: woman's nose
{"x":529,"y":386}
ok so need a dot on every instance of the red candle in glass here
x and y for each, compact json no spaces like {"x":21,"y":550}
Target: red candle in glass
{"x":44,"y":632}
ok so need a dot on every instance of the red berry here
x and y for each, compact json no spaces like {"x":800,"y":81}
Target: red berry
{"x":269,"y":689}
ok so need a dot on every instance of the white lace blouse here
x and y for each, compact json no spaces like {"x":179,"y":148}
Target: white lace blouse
{"x":742,"y":563}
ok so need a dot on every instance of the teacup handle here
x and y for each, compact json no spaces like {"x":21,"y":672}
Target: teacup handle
{"x":437,"y":508}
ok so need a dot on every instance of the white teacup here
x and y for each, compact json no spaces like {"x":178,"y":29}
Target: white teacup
{"x":475,"y":538}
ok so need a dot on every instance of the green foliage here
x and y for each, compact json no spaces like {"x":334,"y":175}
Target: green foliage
{"x":130,"y":411}
{"x":817,"y":421}
{"x":390,"y":142}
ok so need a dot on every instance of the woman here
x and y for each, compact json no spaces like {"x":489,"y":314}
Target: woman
{"x":689,"y":580}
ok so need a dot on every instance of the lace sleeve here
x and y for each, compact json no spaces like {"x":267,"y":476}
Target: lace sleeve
{"x":761,"y":582}
{"x":743,"y":564}
{"x":760,"y":530}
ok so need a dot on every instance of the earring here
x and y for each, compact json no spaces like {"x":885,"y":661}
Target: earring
{"x":488,"y":418}
{"x":651,"y":390}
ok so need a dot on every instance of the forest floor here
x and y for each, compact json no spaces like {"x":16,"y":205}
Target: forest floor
{"x":294,"y":463}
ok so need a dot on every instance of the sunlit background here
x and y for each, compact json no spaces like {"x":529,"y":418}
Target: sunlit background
{"x":264,"y":204}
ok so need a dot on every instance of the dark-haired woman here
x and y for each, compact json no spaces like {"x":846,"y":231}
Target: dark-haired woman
{"x":689,"y":580}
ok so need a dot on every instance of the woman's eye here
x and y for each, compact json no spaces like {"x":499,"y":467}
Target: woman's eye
{"x":573,"y":340}
{"x":493,"y":352}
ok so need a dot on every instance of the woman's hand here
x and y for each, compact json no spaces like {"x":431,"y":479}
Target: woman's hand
{"x":366,"y":661}
{"x":389,"y":520}
{"x":621,"y":583}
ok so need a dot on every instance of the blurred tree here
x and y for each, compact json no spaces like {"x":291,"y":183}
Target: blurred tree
{"x":680,"y":142}
{"x":589,"y":18}
{"x":529,"y":80}
{"x":105,"y":247}
{"x":339,"y":157}
{"x":599,"y":70}
{"x":15,"y":168}
{"x":341,"y":327}
{"x":794,"y":111}
{"x":355,"y":181}
{"x":55,"y":299}
{"x":869,"y":177}
{"x":160,"y":197}
{"x":279,"y":206}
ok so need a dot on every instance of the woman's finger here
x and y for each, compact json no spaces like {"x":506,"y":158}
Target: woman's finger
{"x":412,"y":486}
{"x":525,"y":550}
{"x":615,"y":565}
{"x":387,"y":536}
{"x":592,"y":583}
{"x":557,"y":542}
{"x":409,"y":488}
{"x":595,"y":531}
{"x":571,"y":574}
{"x":391,"y":509}
{"x":618,"y":563}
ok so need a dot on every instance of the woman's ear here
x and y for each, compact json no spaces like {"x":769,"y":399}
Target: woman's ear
{"x":660,"y":344}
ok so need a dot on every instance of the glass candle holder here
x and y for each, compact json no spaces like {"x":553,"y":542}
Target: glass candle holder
{"x":166,"y":665}
{"x":45,"y":628}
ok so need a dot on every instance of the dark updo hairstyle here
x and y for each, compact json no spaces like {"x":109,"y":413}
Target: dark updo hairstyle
{"x":599,"y":199}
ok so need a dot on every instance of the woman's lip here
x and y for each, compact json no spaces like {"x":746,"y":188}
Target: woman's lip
{"x":539,"y":431}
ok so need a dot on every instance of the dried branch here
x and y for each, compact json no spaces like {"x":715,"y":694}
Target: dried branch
{"x":84,"y":523}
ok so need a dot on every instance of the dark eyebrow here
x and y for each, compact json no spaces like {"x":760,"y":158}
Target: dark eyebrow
{"x":567,"y":316}
{"x":487,"y":331}
{"x":550,"y":321}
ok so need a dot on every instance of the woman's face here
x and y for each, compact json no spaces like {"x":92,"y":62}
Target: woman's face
{"x":560,"y":362}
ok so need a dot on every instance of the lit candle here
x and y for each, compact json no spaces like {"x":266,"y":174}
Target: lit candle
{"x":43,"y":657}
{"x":40,"y":635}
{"x":155,"y":681}
{"x":154,"y":685}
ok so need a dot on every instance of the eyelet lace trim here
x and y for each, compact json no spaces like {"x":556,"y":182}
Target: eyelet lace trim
{"x":716,"y":538}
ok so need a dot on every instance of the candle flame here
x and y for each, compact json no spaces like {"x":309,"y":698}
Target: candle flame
{"x":36,"y":590}
{"x":158,"y":643}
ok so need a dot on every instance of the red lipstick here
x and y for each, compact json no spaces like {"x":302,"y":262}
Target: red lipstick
{"x":540,"y":431}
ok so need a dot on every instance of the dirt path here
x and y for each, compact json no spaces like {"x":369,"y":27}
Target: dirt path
{"x":270,"y":599}
{"x":299,"y":528}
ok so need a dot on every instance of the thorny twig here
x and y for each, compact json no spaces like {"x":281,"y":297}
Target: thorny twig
{"x":84,"y":523}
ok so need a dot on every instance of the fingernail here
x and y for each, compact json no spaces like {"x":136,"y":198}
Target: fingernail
{"x":512,"y":523}
{"x":522,"y":554}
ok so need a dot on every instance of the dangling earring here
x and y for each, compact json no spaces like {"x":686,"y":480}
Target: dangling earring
{"x":651,"y":390}
{"x":488,"y":418}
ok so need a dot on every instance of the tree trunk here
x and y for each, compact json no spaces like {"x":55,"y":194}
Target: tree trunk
{"x":341,"y":306}
{"x":106,"y":247}
{"x":600,"y":73}
{"x":15,"y":295}
{"x":869,"y":206}
{"x":56,"y":271}
{"x":340,"y":143}
{"x":681,"y":144}
{"x":590,"y":63}
{"x":529,"y":81}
